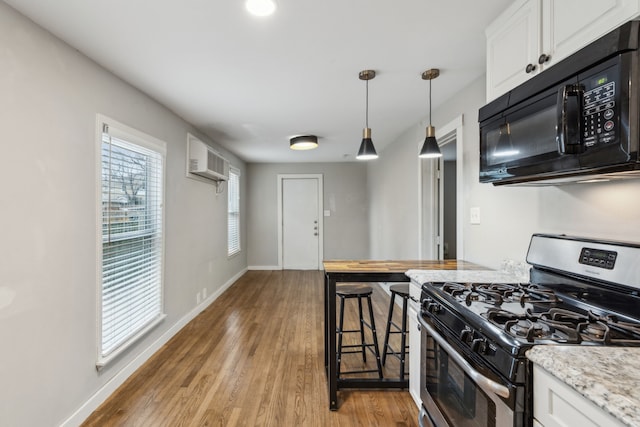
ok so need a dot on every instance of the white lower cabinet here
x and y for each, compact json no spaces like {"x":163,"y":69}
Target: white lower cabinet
{"x":555,"y":404}
{"x":414,"y":343}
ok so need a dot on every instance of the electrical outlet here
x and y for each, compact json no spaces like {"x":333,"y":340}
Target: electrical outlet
{"x":204,"y":293}
{"x":198,"y":298}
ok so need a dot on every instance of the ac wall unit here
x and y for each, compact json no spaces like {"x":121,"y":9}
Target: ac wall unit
{"x":207,"y":163}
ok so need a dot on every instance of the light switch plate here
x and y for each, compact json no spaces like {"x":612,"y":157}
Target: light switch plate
{"x":474,"y":215}
{"x":327,"y":213}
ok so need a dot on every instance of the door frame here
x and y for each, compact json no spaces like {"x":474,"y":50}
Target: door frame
{"x":319,"y":178}
{"x":427,"y":244}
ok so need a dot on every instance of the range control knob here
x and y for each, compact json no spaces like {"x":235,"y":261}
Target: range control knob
{"x":466,"y":335}
{"x":434,"y":307}
{"x":424,"y":304}
{"x":479,"y":345}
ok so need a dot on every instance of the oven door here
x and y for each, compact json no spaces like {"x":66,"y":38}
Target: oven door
{"x":454,"y":393}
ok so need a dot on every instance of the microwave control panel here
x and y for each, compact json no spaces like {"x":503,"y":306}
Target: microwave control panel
{"x":599,"y":112}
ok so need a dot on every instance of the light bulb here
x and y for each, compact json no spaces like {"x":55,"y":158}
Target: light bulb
{"x":260,"y":7}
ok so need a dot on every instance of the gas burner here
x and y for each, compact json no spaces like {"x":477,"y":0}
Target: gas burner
{"x":498,"y":293}
{"x":532,"y":326}
{"x":480,"y":293}
{"x":529,"y":329}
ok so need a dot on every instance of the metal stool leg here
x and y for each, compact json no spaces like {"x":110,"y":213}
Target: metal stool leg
{"x":375,"y":336}
{"x":403,"y":337}
{"x":362,"y":342}
{"x":386,"y":334}
{"x":340,"y":326}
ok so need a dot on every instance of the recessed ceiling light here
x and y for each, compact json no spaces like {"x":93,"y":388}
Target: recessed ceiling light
{"x":261,"y":7}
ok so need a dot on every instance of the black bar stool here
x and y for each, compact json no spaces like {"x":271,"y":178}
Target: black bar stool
{"x":358,"y":291}
{"x":401,"y":290}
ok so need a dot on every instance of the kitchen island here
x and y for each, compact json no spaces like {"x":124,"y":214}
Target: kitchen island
{"x":607,"y":377}
{"x":340,"y":271}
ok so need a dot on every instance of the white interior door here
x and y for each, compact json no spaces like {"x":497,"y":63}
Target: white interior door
{"x":301,"y":227}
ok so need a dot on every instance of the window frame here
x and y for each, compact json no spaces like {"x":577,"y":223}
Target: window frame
{"x":146,"y":142}
{"x":233,"y":251}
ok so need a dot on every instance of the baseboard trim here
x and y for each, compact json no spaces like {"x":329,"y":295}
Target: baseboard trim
{"x":264,"y":267}
{"x":87,"y":408}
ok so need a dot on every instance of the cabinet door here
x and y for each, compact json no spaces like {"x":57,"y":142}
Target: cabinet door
{"x":556,"y":404}
{"x":415,"y":290}
{"x":569,"y":25}
{"x":414,"y":354}
{"x":513,"y":42}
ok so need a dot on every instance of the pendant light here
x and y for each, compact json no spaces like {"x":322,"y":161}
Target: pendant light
{"x":304,"y":142}
{"x":367,"y":150}
{"x":430,"y":147}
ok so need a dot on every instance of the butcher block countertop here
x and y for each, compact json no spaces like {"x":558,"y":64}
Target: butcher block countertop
{"x":372,"y":266}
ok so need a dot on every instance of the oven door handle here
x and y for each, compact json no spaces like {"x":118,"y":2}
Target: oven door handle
{"x":481,"y":380}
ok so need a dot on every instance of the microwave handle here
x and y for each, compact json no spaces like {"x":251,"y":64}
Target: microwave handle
{"x":569,"y":119}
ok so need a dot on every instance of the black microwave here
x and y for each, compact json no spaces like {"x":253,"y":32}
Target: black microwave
{"x":578,"y":120}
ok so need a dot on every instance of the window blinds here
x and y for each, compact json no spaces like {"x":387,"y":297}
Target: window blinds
{"x":132,"y":254}
{"x":233,"y":217}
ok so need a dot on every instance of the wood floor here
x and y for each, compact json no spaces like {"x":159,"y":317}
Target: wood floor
{"x":255,"y":357}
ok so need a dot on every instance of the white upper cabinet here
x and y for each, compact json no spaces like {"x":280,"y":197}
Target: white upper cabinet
{"x":572,"y":24}
{"x":513,"y":43}
{"x":532,"y":35}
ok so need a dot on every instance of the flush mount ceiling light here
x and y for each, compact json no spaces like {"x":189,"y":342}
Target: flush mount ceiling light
{"x":430,"y":147}
{"x":367,"y":150}
{"x":260,"y":7}
{"x":303,"y":142}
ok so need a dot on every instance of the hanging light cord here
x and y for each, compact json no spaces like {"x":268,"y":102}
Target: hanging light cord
{"x":430,"y":102}
{"x":366,"y":114}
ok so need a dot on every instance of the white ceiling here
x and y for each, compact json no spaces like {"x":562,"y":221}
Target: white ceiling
{"x":251,"y":83}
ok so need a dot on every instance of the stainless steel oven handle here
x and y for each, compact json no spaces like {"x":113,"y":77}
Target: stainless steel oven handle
{"x":481,"y":380}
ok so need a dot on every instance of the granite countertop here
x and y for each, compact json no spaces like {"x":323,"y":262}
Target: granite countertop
{"x":607,"y":376}
{"x":465,"y":276}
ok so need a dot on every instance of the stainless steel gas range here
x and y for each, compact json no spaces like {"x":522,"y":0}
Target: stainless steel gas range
{"x":474,"y":371}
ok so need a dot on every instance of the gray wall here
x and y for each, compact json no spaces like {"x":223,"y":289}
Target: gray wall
{"x":345,"y":195}
{"x":509,"y":215}
{"x":393,"y":197}
{"x":50,"y":95}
